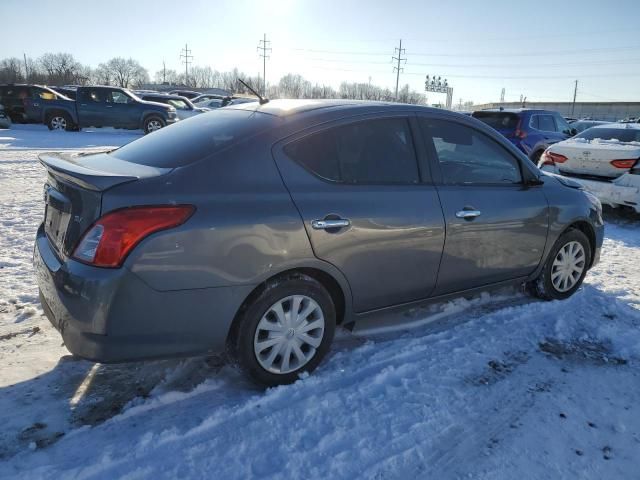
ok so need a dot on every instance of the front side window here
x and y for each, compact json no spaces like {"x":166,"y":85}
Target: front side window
{"x":467,"y":156}
{"x":543,"y":123}
{"x":116,"y":96}
{"x":562,"y":125}
{"x":372,"y":151}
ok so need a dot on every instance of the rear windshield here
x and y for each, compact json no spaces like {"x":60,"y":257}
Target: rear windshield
{"x":498,"y":120}
{"x":189,"y":141}
{"x":619,"y":134}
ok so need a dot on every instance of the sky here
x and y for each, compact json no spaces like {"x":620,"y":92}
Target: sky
{"x":534,"y":49}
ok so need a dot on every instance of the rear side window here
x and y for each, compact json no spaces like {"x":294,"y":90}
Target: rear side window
{"x":467,"y":156}
{"x":498,"y":120}
{"x":372,"y":151}
{"x":187,"y":142}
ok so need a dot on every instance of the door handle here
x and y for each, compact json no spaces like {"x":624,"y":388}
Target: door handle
{"x":329,"y":224}
{"x":468,"y":214}
{"x":109,"y":106}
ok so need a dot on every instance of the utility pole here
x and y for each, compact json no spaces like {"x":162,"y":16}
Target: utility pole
{"x":502,"y":96}
{"x":164,"y":72}
{"x":26,"y":69}
{"x":264,"y":50}
{"x":399,"y":51}
{"x":575,"y":93}
{"x":186,"y":54}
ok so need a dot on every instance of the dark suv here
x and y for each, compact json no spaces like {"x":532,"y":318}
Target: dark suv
{"x":532,"y":131}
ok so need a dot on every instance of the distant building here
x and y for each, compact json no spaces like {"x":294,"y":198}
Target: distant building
{"x":596,"y":110}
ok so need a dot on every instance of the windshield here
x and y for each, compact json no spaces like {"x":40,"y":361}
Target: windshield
{"x":178,"y":104}
{"x":498,"y":120}
{"x":618,"y":134}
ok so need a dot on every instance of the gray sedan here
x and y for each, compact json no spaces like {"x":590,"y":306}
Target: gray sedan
{"x":258,"y":228}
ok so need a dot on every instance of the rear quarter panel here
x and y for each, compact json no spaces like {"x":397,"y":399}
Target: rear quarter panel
{"x":245,"y":229}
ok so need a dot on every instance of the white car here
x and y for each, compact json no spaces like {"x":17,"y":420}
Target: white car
{"x":605,"y":159}
{"x":184,"y":108}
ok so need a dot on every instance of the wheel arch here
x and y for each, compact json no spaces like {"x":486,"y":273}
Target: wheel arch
{"x":586,"y":228}
{"x":337,"y":289}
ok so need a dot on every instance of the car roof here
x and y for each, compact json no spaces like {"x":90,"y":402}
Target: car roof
{"x":620,"y":126}
{"x":514,"y":110}
{"x":161,"y":95}
{"x":288,"y":107}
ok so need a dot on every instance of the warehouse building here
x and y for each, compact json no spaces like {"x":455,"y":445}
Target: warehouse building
{"x":596,"y":110}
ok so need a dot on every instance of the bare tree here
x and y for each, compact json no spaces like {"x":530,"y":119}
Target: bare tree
{"x":123,"y":72}
{"x":169,"y":76}
{"x":11,"y":70}
{"x":61,"y":68}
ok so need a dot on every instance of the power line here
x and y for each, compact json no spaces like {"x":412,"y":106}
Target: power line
{"x":186,"y":54}
{"x":264,"y":49}
{"x":477,"y":54}
{"x":399,"y":51}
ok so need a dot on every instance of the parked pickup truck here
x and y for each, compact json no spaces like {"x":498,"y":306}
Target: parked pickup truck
{"x":102,"y":107}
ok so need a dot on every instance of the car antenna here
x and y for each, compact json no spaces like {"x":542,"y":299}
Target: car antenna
{"x":261,"y":99}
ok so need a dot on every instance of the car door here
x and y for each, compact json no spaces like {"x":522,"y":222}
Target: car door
{"x":496,"y":225}
{"x":366,"y":207}
{"x":91,"y":107}
{"x":123,"y":110}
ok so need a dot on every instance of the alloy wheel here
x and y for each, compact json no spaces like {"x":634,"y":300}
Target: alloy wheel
{"x":153,"y":125}
{"x":288,"y":334}
{"x":568,"y":266}
{"x":59,"y":123}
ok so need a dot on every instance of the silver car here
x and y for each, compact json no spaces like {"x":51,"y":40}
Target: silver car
{"x":257,"y":229}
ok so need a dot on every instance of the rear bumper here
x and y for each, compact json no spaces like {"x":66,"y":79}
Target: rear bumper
{"x":111,"y":315}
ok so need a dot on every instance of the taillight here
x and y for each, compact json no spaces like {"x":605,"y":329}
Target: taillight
{"x":623,"y":163}
{"x":521,"y":134}
{"x":550,"y":158}
{"x":108,"y":242}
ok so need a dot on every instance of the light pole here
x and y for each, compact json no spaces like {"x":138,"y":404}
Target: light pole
{"x":438,"y":85}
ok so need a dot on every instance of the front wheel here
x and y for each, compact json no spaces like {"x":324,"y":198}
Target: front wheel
{"x":152,"y":124}
{"x":565,"y":267}
{"x":285,"y":331}
{"x":60,"y":121}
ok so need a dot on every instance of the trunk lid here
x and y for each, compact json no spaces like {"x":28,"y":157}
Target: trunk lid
{"x":594,"y":157}
{"x":73,"y":192}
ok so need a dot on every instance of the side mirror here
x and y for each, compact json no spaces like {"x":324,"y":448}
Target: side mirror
{"x":573,"y":132}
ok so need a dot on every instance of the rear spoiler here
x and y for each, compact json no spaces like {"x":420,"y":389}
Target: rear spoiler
{"x":97,"y":172}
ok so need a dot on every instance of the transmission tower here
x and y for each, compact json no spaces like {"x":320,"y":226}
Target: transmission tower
{"x":398,"y":51}
{"x":186,"y":55}
{"x":264,"y":50}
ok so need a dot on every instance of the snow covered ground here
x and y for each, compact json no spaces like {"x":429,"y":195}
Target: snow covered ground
{"x":497,"y":386}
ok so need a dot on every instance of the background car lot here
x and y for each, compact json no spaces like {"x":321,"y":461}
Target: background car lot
{"x":512,"y":375}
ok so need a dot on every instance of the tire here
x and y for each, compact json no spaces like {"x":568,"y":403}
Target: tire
{"x":549,"y":285}
{"x":250,"y":340}
{"x":153,"y":123}
{"x":60,"y":121}
{"x":535,"y":158}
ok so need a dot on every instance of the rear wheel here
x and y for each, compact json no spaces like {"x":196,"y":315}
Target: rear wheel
{"x":60,"y":121}
{"x":151,"y":124}
{"x":535,"y":158}
{"x":565,"y":268}
{"x":285,"y":331}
